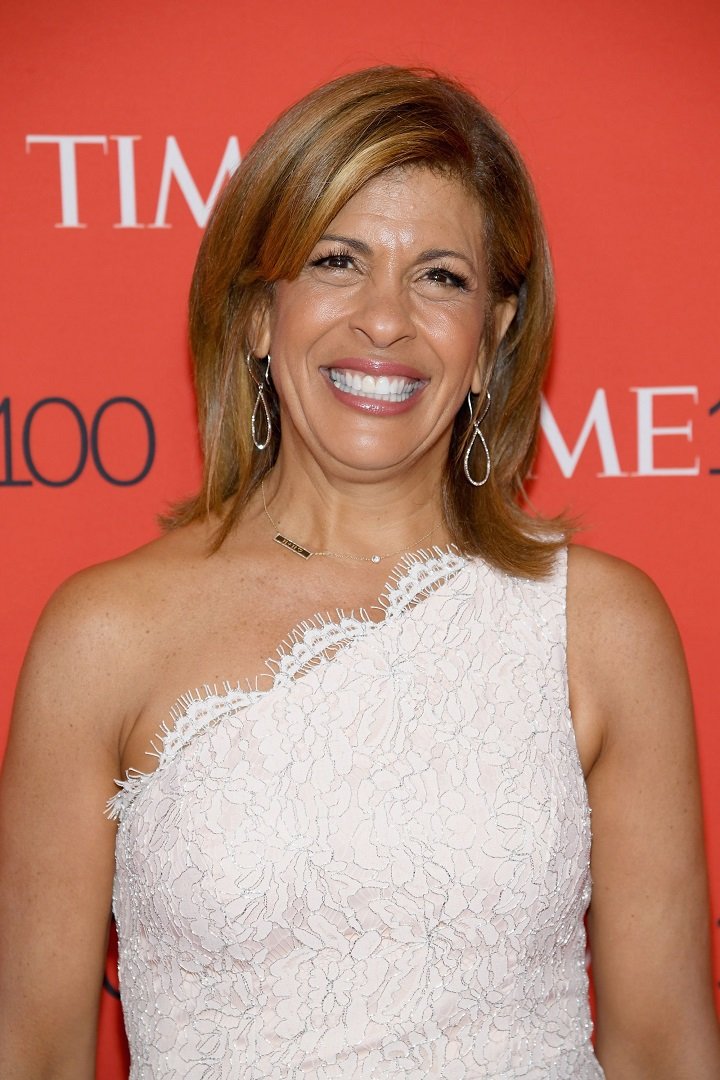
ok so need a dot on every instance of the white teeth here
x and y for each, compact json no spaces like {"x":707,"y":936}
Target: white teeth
{"x":380,"y":389}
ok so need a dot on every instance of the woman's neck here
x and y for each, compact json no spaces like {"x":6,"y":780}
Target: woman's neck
{"x":328,"y":513}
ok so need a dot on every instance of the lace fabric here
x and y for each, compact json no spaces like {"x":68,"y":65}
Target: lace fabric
{"x":379,"y":866}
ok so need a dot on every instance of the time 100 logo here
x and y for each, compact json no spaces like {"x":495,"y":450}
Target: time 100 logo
{"x":88,"y":442}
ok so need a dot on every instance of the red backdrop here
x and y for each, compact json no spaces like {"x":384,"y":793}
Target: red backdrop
{"x":123,"y":120}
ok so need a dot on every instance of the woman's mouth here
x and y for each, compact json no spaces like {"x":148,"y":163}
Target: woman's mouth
{"x":394,"y":388}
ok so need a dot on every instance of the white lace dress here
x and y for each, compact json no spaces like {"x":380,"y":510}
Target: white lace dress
{"x":379,"y":866}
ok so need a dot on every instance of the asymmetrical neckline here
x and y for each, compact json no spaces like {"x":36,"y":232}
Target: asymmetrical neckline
{"x":310,"y":647}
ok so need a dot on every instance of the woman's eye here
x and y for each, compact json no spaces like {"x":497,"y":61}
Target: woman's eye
{"x":334,"y":261}
{"x":440,"y":275}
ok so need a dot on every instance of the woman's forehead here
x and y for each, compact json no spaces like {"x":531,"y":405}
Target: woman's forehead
{"x":413,"y":200}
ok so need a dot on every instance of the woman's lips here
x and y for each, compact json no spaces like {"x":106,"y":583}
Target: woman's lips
{"x":376,"y":386}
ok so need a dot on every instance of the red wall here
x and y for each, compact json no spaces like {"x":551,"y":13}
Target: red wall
{"x":615,"y":107}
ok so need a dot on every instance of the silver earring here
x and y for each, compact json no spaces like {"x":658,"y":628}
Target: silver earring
{"x":260,"y":400}
{"x":477,"y":434}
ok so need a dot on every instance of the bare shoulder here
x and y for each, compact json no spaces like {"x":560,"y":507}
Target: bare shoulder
{"x":96,"y":634}
{"x":614,"y":605}
{"x":111,"y":597}
{"x":605,"y":581}
{"x":626,"y":664}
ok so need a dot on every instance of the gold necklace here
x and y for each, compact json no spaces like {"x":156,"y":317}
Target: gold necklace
{"x":305,"y":553}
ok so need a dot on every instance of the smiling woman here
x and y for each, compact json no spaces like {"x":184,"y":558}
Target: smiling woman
{"x":396,"y":290}
{"x":365,"y":848}
{"x":482,"y":252}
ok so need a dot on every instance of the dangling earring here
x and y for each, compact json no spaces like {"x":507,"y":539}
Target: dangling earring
{"x":477,"y":434}
{"x":260,"y":400}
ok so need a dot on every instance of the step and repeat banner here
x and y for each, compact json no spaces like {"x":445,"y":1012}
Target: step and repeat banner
{"x":121,"y":125}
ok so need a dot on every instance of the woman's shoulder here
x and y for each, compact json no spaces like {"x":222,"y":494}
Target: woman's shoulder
{"x":623,"y":643}
{"x":606,"y":593}
{"x":102,"y":625}
{"x":128,"y":585}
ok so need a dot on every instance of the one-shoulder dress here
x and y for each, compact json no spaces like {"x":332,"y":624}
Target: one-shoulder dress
{"x":376,"y":867}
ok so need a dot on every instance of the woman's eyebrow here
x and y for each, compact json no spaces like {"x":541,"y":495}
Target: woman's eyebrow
{"x":444,"y":253}
{"x":357,"y":245}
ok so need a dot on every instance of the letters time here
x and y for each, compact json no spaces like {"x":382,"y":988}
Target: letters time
{"x":174,"y":168}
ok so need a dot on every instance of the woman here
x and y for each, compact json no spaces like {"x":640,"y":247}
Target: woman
{"x":369,"y":855}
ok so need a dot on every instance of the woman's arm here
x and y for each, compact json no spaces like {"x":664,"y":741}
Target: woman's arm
{"x":649,"y":919}
{"x":56,"y":846}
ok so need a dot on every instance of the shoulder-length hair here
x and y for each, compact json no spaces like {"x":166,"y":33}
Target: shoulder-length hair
{"x":278,"y":203}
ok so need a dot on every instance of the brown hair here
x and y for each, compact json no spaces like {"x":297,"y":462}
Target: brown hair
{"x":278,"y":203}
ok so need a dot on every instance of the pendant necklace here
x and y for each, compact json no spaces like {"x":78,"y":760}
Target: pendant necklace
{"x":305,"y":553}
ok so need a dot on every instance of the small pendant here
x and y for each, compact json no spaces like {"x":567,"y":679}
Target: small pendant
{"x":375,"y":558}
{"x":292,"y":546}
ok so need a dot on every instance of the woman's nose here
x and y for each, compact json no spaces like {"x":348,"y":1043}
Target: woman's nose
{"x":383,"y":313}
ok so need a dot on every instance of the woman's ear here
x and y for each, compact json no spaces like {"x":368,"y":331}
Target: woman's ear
{"x":503,"y":313}
{"x":259,"y":335}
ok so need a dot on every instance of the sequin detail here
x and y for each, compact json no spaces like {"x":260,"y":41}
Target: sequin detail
{"x":378,"y":867}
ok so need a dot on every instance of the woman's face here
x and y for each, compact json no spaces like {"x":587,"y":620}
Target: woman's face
{"x":377,"y":342}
